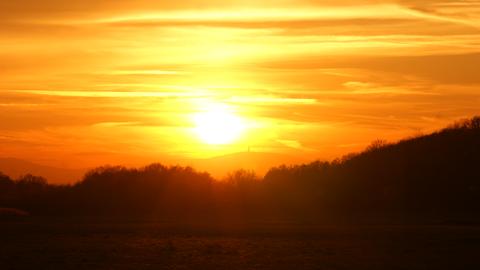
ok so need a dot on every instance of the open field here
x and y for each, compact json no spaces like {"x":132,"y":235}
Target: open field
{"x":127,"y":245}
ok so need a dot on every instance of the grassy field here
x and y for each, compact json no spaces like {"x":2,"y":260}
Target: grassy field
{"x":57,"y":244}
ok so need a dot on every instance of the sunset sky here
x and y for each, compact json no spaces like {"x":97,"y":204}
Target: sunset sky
{"x":84,"y":83}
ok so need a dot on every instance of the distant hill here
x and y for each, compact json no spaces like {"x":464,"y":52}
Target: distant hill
{"x":218,"y":166}
{"x":259,"y":162}
{"x":18,"y":167}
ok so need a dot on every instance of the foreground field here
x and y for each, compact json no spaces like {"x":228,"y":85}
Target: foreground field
{"x":132,"y":245}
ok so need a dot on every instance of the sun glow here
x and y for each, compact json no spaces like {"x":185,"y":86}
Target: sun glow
{"x":218,"y":125}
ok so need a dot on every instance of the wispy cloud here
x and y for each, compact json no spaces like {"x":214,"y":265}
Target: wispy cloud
{"x":111,"y":94}
{"x":272,"y":100}
{"x":115,"y":124}
{"x":146,"y":72}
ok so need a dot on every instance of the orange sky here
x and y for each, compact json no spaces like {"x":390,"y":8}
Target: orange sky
{"x":83,"y":83}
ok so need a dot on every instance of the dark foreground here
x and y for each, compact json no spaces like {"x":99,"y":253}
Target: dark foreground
{"x":38,"y":244}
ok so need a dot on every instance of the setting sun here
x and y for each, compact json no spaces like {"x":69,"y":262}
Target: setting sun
{"x":216,"y":134}
{"x":218,"y":125}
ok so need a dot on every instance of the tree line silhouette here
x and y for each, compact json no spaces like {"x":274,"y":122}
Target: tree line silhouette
{"x":430,"y":175}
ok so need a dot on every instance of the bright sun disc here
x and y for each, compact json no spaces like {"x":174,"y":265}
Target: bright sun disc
{"x":218,"y":125}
